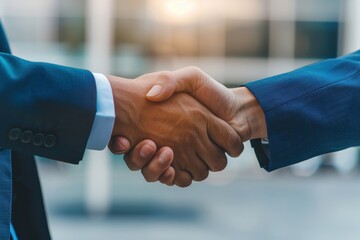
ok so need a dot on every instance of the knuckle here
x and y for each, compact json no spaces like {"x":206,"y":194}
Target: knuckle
{"x":148,"y":177}
{"x":131,"y":167}
{"x":197,"y":79}
{"x":220,"y":165}
{"x":163,"y":180}
{"x":165,"y":76}
{"x":132,"y":164}
{"x":166,"y":181}
{"x":183,"y":183}
{"x":237,"y":151}
{"x":201,"y":176}
{"x":195,"y":69}
{"x":232,"y":138}
{"x":234,"y":144}
{"x":112,"y":150}
{"x":137,"y":166}
{"x":189,"y":137}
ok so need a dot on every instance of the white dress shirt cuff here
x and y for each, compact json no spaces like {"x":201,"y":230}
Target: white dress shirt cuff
{"x":105,"y":114}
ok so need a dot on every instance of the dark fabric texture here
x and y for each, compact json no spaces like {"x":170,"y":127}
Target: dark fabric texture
{"x":28,"y":212}
{"x":45,"y":110}
{"x":5,"y":193}
{"x":310,"y":111}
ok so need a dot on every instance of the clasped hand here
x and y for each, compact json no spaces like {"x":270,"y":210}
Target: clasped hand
{"x":177,"y":126}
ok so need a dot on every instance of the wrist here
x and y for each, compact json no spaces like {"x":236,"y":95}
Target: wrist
{"x":252,"y":112}
{"x":126,"y":101}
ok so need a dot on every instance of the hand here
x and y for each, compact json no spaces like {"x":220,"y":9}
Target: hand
{"x":238,"y":106}
{"x":171,"y":123}
{"x":154,"y":164}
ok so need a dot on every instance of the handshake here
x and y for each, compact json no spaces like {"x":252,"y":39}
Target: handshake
{"x":177,"y":126}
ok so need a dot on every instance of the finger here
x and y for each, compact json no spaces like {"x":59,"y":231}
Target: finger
{"x":141,"y":155}
{"x":167,"y":83}
{"x":198,"y":84}
{"x":225,"y":136}
{"x":158,"y":165}
{"x":119,"y":145}
{"x":182,"y":178}
{"x":197,"y":169}
{"x":168,"y":176}
{"x":163,"y":89}
{"x":212,"y":155}
{"x":202,"y":171}
{"x":205,"y":89}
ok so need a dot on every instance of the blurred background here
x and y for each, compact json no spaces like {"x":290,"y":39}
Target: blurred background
{"x":235,"y":41}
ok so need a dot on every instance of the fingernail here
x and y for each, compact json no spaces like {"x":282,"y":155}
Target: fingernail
{"x":167,"y":174}
{"x":146,"y":151}
{"x":154,"y":91}
{"x":164,"y":157}
{"x":120,"y":145}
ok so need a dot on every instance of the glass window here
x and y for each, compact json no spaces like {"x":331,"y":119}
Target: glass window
{"x":319,"y":10}
{"x":71,"y":32}
{"x":134,"y":31}
{"x":130,"y":8}
{"x":247,"y":39}
{"x":316,"y":39}
{"x":72,"y":23}
{"x":22,"y":29}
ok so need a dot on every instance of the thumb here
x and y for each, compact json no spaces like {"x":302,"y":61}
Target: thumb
{"x":161,"y":91}
{"x":167,"y":83}
{"x":198,"y":84}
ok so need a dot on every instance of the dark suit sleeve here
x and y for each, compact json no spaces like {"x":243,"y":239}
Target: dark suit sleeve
{"x":45,"y":109}
{"x":310,"y":111}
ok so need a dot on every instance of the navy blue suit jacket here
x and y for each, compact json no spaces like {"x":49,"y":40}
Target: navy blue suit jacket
{"x":45,"y":110}
{"x":310,"y":111}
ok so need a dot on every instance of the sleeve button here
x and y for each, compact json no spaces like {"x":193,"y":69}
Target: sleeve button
{"x":50,"y":141}
{"x":14,"y":134}
{"x":38,"y":139}
{"x":26,"y":137}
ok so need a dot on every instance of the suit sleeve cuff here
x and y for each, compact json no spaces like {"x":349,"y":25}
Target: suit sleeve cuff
{"x":105,"y":114}
{"x":261,"y":148}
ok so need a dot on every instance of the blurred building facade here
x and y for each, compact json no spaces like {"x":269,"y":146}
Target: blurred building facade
{"x":236,"y":42}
